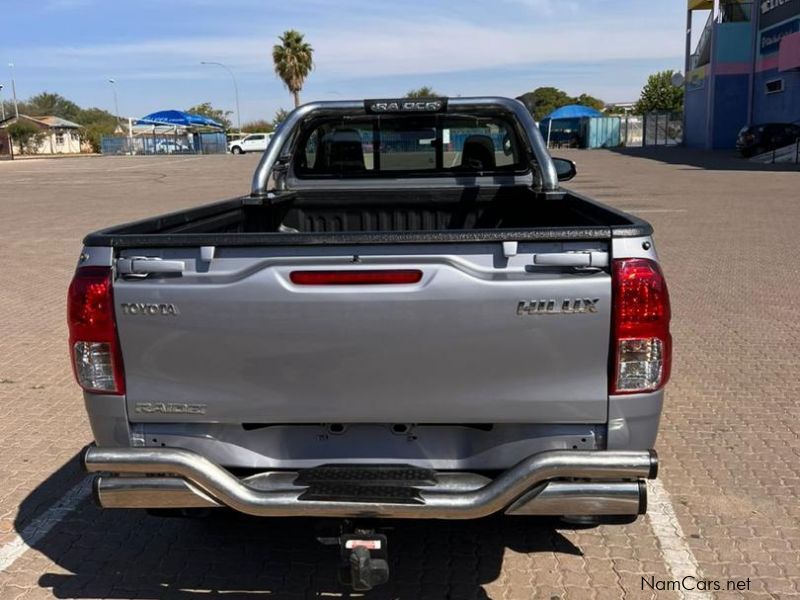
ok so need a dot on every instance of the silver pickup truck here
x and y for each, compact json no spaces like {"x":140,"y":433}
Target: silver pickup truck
{"x":408,"y":317}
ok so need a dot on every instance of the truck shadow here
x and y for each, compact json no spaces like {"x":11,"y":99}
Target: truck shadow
{"x":711,"y":160}
{"x":130,"y":554}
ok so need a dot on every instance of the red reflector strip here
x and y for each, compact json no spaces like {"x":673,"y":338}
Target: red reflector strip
{"x":356,"y":277}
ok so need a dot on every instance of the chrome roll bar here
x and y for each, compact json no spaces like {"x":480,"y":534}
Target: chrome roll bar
{"x":278,"y":147}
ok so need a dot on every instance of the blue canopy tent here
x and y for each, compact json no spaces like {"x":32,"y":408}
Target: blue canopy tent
{"x":568,"y":115}
{"x":178,"y":118}
{"x":573,"y":111}
{"x":188,"y":133}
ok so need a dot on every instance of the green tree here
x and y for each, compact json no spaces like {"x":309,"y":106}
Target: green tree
{"x":27,"y":136}
{"x":659,"y":95}
{"x":293,"y":60}
{"x":591,"y":101}
{"x":544,"y":100}
{"x":94,"y":134}
{"x":8,"y":105}
{"x":207,"y":110}
{"x":46,"y":104}
{"x":280,"y":117}
{"x":423,"y":92}
{"x":258,"y":126}
{"x":97,"y":123}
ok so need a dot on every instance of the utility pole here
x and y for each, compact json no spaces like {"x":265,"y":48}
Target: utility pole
{"x":235,"y":90}
{"x":2,"y":104}
{"x":14,"y":90}
{"x":113,"y":83}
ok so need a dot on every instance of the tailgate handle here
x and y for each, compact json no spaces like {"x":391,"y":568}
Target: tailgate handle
{"x":571,"y":259}
{"x":142,"y":266}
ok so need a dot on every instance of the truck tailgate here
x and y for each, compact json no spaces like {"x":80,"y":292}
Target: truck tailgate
{"x":480,"y":338}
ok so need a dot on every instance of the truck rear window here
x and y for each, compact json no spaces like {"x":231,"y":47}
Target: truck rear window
{"x":430,"y":144}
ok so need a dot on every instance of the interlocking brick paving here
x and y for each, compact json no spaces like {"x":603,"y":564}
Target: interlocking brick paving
{"x":729,"y":443}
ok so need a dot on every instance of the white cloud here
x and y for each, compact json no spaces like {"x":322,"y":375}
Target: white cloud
{"x":405,"y":48}
{"x":386,"y":48}
{"x":549,"y":7}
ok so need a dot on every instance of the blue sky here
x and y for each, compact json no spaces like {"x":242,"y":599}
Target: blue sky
{"x":153,"y":48}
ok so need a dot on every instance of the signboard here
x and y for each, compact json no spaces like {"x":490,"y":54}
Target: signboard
{"x":773,"y":12}
{"x":770,"y":40}
{"x":789,"y":57}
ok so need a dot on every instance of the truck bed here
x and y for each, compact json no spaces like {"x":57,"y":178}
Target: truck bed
{"x":379,"y":216}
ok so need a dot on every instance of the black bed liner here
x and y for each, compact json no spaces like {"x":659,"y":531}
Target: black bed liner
{"x":328,"y":217}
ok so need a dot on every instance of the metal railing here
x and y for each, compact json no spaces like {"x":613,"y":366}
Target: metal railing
{"x":735,"y":12}
{"x":702,"y":54}
{"x":786,"y":154}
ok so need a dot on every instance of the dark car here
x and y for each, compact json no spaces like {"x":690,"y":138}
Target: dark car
{"x":757,"y":139}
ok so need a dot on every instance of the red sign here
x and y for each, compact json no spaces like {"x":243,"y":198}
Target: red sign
{"x":789,"y":53}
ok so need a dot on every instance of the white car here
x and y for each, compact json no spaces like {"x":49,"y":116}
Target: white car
{"x":255,"y":142}
{"x":170,"y":147}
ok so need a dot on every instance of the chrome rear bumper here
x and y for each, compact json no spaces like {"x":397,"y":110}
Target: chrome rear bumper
{"x":558,"y":482}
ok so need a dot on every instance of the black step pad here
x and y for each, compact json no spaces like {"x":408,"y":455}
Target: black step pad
{"x":344,"y":492}
{"x":368,"y":475}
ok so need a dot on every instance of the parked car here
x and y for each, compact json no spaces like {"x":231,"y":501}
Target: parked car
{"x":255,"y":142}
{"x":757,"y":139}
{"x":170,"y":147}
{"x":385,"y":338}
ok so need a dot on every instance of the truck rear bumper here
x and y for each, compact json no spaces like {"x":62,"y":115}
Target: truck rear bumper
{"x":557,"y":482}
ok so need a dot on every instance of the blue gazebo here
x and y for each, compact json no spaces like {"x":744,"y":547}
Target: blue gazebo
{"x":189,"y":132}
{"x":178,"y":118}
{"x":567,"y":121}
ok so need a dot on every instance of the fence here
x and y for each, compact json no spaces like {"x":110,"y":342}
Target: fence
{"x":786,"y":155}
{"x":663,"y":129}
{"x":631,"y":131}
{"x":153,"y":144}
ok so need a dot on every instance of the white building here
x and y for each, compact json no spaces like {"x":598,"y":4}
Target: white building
{"x":58,"y":136}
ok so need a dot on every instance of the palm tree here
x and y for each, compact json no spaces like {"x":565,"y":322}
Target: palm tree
{"x":293,"y":61}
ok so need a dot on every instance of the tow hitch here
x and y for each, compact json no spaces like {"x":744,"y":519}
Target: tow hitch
{"x":364,"y":556}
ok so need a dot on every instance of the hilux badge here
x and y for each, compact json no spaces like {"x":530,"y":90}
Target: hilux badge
{"x":569,"y":306}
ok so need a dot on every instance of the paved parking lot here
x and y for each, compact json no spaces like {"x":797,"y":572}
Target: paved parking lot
{"x":725,"y":508}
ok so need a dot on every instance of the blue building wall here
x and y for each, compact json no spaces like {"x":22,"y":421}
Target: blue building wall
{"x":695,"y":133}
{"x":744,"y":58}
{"x":727,"y":80}
{"x":731,"y":97}
{"x":733,"y":43}
{"x":783,"y":107}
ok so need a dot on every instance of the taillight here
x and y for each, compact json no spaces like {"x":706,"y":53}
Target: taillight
{"x":357,"y":277}
{"x":93,"y":342}
{"x":641,"y":342}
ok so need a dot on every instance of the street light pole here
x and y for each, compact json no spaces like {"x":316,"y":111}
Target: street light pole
{"x":2,"y":104}
{"x":235,"y":90}
{"x":113,"y":83}
{"x":14,"y":90}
